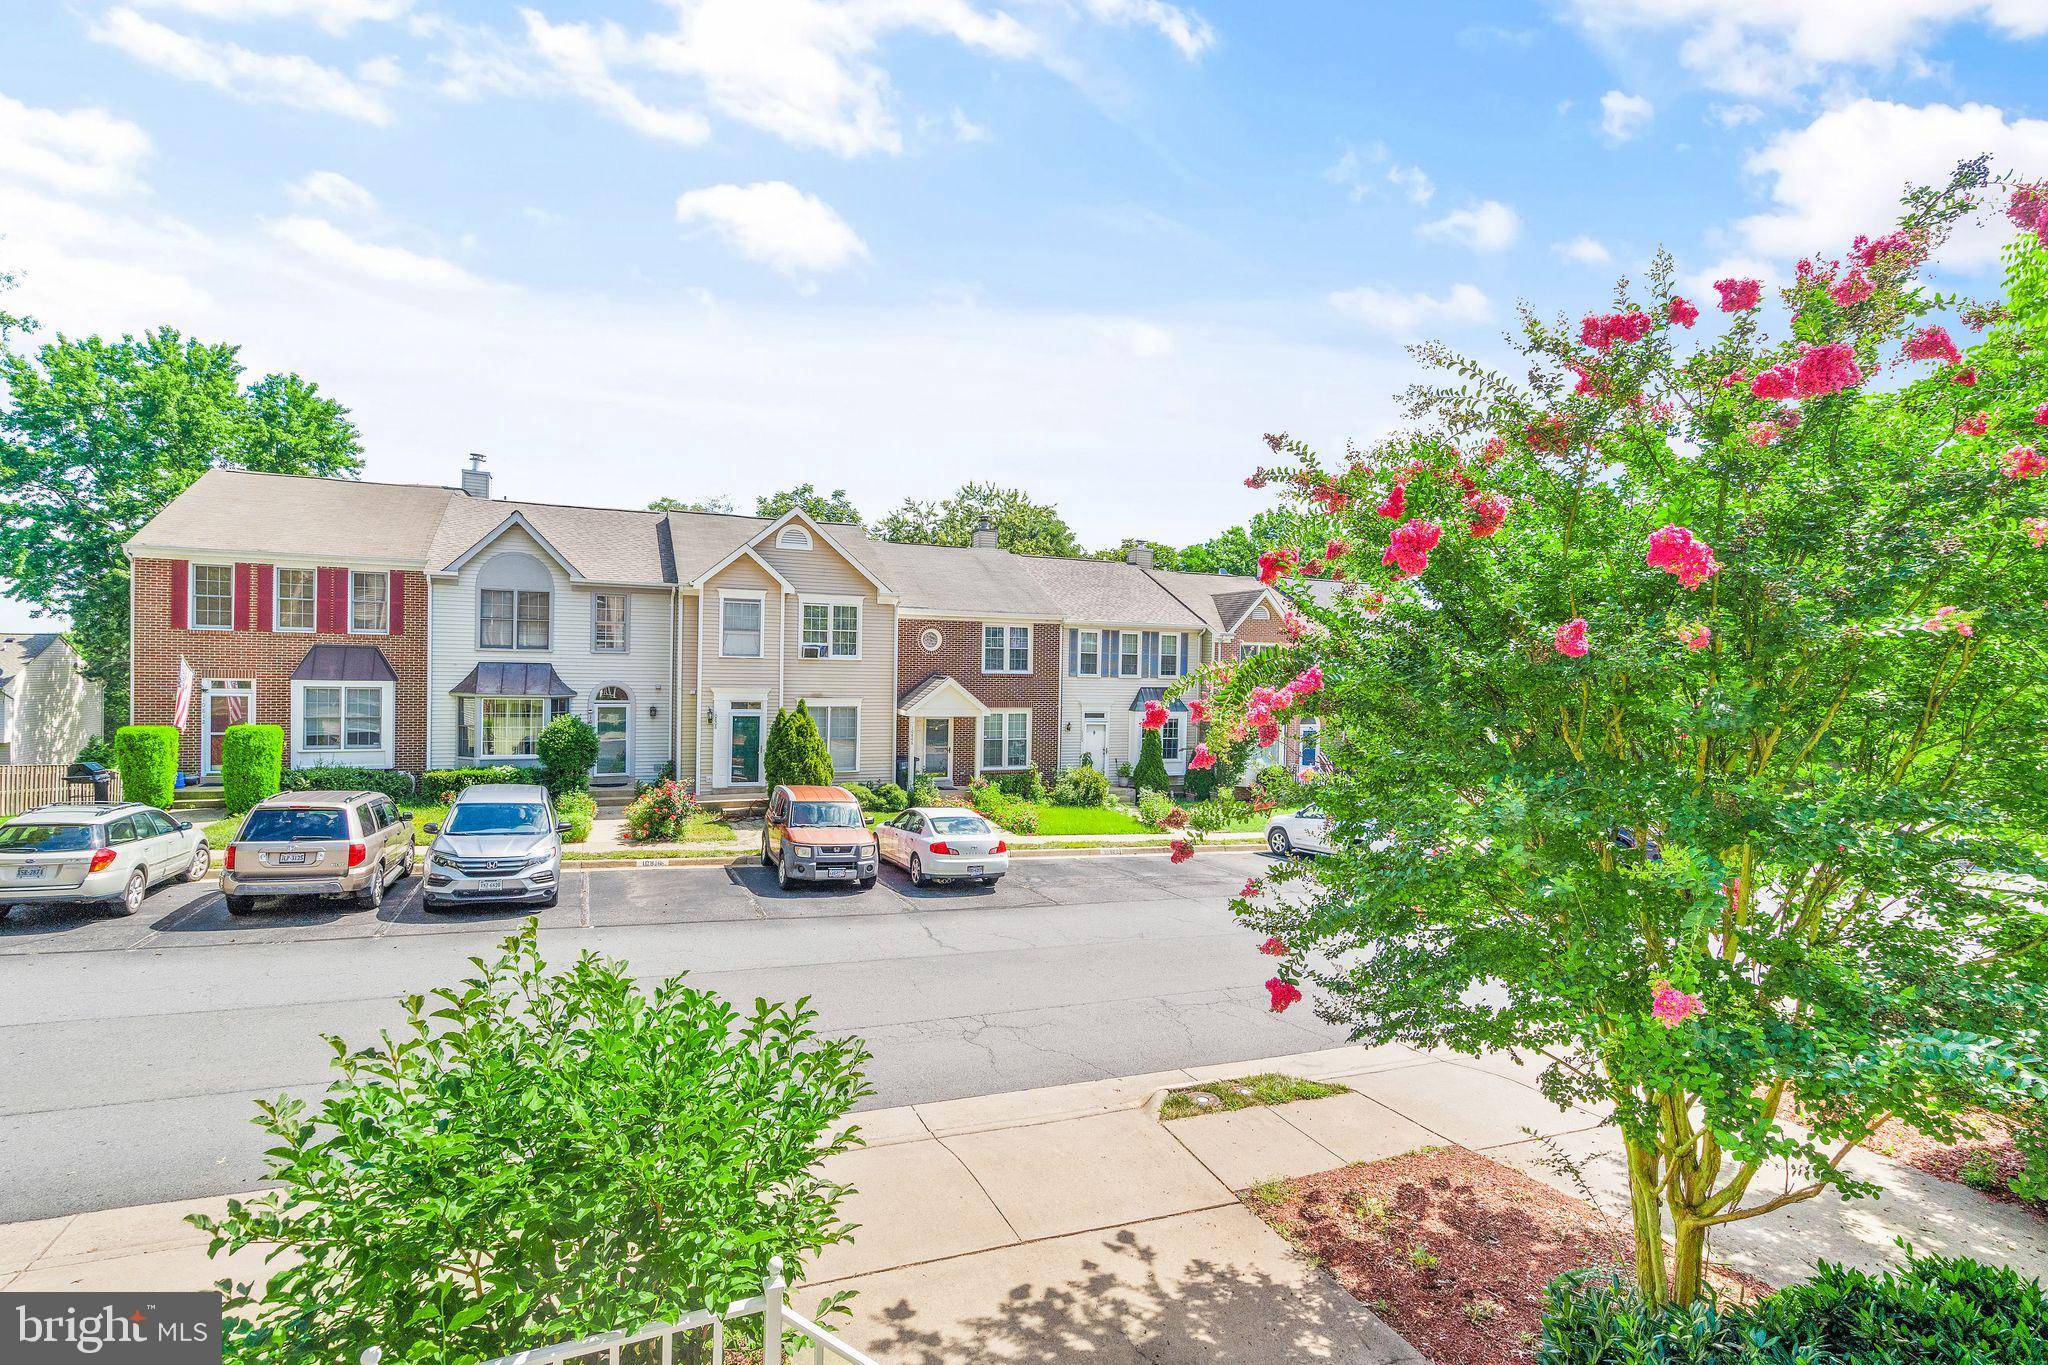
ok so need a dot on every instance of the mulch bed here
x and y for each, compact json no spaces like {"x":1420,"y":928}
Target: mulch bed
{"x":1451,"y":1249}
{"x":1946,"y":1161}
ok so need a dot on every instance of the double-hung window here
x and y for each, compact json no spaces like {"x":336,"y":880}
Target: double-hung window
{"x":502,"y":727}
{"x":369,"y":603}
{"x":213,"y":597}
{"x":1169,"y":654}
{"x":513,"y":618}
{"x":840,"y":725}
{"x":1006,"y":739}
{"x":293,"y":608}
{"x":608,"y":612}
{"x":362,"y":717}
{"x":739,"y":627}
{"x":831,"y":630}
{"x":1169,"y":740}
{"x":1127,"y":654}
{"x":1087,"y":650}
{"x":1006,"y":649}
{"x":341,"y":718}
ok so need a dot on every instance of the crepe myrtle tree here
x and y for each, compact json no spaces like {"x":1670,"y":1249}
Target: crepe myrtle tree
{"x":1687,"y":702}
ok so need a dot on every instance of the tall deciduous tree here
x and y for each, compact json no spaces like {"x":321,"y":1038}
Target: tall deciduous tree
{"x":1688,"y":715}
{"x":834,"y":506}
{"x":97,"y":436}
{"x":1237,"y":550}
{"x":1021,"y":525}
{"x":717,"y":504}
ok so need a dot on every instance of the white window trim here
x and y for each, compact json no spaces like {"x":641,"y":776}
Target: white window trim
{"x":385,"y":629}
{"x":931,"y":639}
{"x":981,"y":740}
{"x":860,"y":629}
{"x":739,"y":596}
{"x":628,"y":702}
{"x":277,"y":572}
{"x":191,"y":621}
{"x":1179,"y":664}
{"x":793,"y":538}
{"x":625,"y":644}
{"x":515,"y":647}
{"x":1030,"y":648}
{"x":721,"y":737}
{"x":382,"y":755}
{"x":1138,"y":655}
{"x":1081,"y":651}
{"x":816,"y":704}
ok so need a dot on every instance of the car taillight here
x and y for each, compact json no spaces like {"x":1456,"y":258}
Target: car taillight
{"x":229,"y":861}
{"x":356,"y":854}
{"x":942,"y":848}
{"x":102,"y":859}
{"x":1001,"y":847}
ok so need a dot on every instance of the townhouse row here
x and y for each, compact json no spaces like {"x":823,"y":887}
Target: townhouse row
{"x":411,"y":626}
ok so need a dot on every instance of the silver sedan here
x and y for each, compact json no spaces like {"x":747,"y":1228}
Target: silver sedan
{"x":935,"y":843}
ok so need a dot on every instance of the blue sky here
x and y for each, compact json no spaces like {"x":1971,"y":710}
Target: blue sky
{"x":711,"y":247}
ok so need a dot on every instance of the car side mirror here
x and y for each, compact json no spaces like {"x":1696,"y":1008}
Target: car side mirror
{"x":561,"y":827}
{"x":431,"y":828}
{"x":184,"y":824}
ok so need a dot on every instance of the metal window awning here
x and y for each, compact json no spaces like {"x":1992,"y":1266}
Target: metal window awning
{"x":512,"y":680}
{"x":1152,"y":694}
{"x":344,"y":663}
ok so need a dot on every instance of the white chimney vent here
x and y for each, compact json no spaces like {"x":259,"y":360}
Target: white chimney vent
{"x":476,"y":480}
{"x":984,"y":536}
{"x":1140,"y":554}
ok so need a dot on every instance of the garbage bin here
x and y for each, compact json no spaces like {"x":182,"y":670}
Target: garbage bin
{"x":903,"y":772}
{"x":93,"y":778}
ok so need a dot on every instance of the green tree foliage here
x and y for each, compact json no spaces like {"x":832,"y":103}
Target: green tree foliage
{"x":719,"y":504}
{"x":1163,"y":556}
{"x":96,"y":436}
{"x":146,"y":756}
{"x":1237,"y":550}
{"x":1021,"y":525}
{"x":1150,"y":773}
{"x":251,"y":765}
{"x":567,"y":749}
{"x":533,"y":1157}
{"x":795,"y":753}
{"x":1204,"y":783}
{"x":1709,"y":842}
{"x":833,"y":507}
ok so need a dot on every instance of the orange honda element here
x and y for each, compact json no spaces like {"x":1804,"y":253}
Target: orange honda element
{"x":818,"y":834}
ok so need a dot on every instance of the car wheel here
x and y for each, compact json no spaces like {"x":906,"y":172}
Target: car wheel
{"x":1277,"y":840}
{"x":372,"y":895}
{"x":202,"y":862}
{"x":240,"y":905}
{"x":5,"y":911}
{"x":131,"y":895}
{"x":410,"y":865}
{"x":917,"y":877}
{"x":782,"y":873}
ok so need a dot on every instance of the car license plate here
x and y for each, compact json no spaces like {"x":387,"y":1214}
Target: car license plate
{"x":839,"y":872}
{"x":974,"y":869}
{"x":490,"y":886}
{"x":291,"y":857}
{"x":30,"y":873}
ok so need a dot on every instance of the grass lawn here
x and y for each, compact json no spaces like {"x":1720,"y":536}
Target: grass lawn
{"x":1246,"y":1092}
{"x":1059,"y":820}
{"x":221,"y":833}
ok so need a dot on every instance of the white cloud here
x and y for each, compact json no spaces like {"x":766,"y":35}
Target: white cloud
{"x":330,"y":190}
{"x":1583,"y":251}
{"x":330,"y":245}
{"x":1769,"y":49}
{"x":966,"y":129}
{"x":1187,"y":31}
{"x":335,"y":16}
{"x":1622,"y":115}
{"x":1735,"y":115}
{"x":1841,"y":175}
{"x":83,"y":151}
{"x":1408,"y":315}
{"x":580,"y":58}
{"x":1142,"y":340}
{"x":260,"y":77}
{"x":1412,"y":181}
{"x":1357,"y":170}
{"x":1486,"y":226}
{"x":775,"y":223}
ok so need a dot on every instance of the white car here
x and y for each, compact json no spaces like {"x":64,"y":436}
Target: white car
{"x":942,"y":842}
{"x":1302,"y":831}
{"x":111,"y":854}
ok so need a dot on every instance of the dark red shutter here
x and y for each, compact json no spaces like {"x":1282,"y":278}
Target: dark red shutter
{"x":397,"y":602}
{"x":266,"y":581}
{"x":181,"y":583}
{"x":245,"y":582}
{"x":329,"y":588}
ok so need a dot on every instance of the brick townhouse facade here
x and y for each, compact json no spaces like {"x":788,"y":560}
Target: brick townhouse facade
{"x":929,"y":647}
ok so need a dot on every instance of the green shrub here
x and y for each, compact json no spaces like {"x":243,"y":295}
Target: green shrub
{"x":862,"y":793}
{"x":533,"y":1157}
{"x":1933,"y":1311}
{"x":661,"y":814}
{"x":1150,"y":774}
{"x":1154,"y":807}
{"x":251,"y":765}
{"x":1085,"y":786}
{"x":397,"y":785}
{"x":1004,"y":809}
{"x":1028,"y":785}
{"x":442,"y":785}
{"x":99,"y":749}
{"x":577,"y":810}
{"x":890,"y":797}
{"x":1279,"y":785}
{"x":147,"y":756}
{"x":924,"y":791}
{"x":1217,"y":813}
{"x":2030,"y":1136}
{"x":1203,"y":783}
{"x":795,"y":754}
{"x":567,"y":749}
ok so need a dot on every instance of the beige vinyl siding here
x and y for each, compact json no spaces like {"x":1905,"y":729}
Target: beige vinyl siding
{"x":689,"y":705}
{"x":746,"y":679}
{"x":868,"y":681}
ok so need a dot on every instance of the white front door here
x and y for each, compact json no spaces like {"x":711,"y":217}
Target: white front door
{"x":1095,"y":741}
{"x":221,"y":704}
{"x":938,"y":749}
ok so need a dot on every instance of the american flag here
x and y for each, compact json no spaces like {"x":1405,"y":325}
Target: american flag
{"x":187,"y":681}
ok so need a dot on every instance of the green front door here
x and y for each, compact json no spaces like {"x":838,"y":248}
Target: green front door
{"x":746,"y":746}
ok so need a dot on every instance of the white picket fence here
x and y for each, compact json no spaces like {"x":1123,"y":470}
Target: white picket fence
{"x":770,"y":1305}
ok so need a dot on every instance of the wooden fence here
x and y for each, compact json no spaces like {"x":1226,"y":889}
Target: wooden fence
{"x":24,"y":786}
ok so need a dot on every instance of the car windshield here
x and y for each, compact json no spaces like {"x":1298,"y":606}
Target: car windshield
{"x":291,"y":825}
{"x":959,"y":824}
{"x":827,"y":815}
{"x":497,"y":817}
{"x":30,"y":838}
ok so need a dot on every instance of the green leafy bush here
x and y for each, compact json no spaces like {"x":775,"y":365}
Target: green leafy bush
{"x":795,"y":754}
{"x":577,"y":810}
{"x":251,"y":765}
{"x":147,"y":756}
{"x":567,"y":749}
{"x":1154,"y":807}
{"x":442,"y":785}
{"x":1086,"y":786}
{"x":661,"y":814}
{"x":924,"y":791}
{"x":1004,"y":809}
{"x":1279,"y":785}
{"x":890,"y":797}
{"x":533,"y":1157}
{"x":99,"y":749}
{"x":1934,"y":1311}
{"x":2030,"y":1135}
{"x":1028,"y":785}
{"x":1150,"y":774}
{"x":397,"y":785}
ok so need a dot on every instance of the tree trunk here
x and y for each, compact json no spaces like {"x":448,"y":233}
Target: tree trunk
{"x":1646,"y":1210}
{"x":1688,"y":1259}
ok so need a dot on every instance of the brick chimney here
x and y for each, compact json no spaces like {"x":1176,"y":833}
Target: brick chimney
{"x":984,"y":536}
{"x":476,"y":480}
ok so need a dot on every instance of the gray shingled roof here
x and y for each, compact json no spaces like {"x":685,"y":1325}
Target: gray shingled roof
{"x":967,"y":582}
{"x":602,"y":544}
{"x":231,"y":511}
{"x":1111,"y":592}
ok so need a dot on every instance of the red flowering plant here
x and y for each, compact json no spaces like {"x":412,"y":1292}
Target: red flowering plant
{"x":1669,"y":782}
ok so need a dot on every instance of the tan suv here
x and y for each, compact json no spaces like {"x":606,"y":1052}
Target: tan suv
{"x":352,"y":844}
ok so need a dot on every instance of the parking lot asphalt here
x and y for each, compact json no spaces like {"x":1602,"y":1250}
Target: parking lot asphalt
{"x":132,"y":1049}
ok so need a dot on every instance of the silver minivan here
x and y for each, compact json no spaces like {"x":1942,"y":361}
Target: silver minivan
{"x":500,"y":842}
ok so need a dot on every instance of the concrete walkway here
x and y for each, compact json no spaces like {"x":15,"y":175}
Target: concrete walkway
{"x":1049,"y":1224}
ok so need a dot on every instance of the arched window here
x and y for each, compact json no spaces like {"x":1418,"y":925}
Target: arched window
{"x":793,"y":538}
{"x":515,"y":602}
{"x":612,"y":692}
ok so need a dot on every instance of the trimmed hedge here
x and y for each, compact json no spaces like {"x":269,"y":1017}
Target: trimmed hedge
{"x":568,"y":751}
{"x":441,"y":785}
{"x":251,"y":765}
{"x":147,"y":756}
{"x":1084,"y":787}
{"x":394,"y":783}
{"x":577,"y":810}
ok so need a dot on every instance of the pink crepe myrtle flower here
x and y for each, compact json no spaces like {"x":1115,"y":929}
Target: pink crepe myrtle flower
{"x":1739,"y":296}
{"x":1944,"y":618}
{"x":1269,"y":734}
{"x":1672,"y":1006}
{"x":1603,"y":331}
{"x":2028,"y":210}
{"x":1333,"y":498}
{"x":2041,"y":415}
{"x":1283,"y":994}
{"x":1335,"y":550}
{"x":1734,"y":379}
{"x":1898,"y":249}
{"x":1181,"y":851}
{"x":1257,"y":480}
{"x":1495,"y":447}
{"x":2037,"y":531}
{"x":1682,"y":312}
{"x":1396,"y":505}
{"x":1823,"y":370}
{"x":1155,"y":716}
{"x":1489,"y":510}
{"x":1309,"y":680}
{"x":1851,"y":290}
{"x":1274,"y":946}
{"x":1976,"y":424}
{"x":1570,"y":639}
{"x":1253,"y":889}
{"x":1201,"y":760}
{"x":1678,"y":551}
{"x":1409,"y":549}
{"x":1375,"y":601}
{"x":1933,"y":343}
{"x":1198,"y":710}
{"x":1696,"y":636}
{"x":1966,"y":378}
{"x":1780,"y":381}
{"x":2024,"y":462}
{"x":1274,"y":564}
{"x":1763,"y":434}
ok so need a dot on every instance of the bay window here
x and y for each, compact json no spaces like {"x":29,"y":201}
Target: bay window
{"x":500,"y":727}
